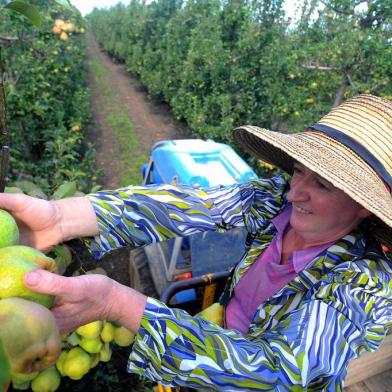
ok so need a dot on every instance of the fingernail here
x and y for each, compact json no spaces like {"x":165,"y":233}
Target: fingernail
{"x":32,"y":278}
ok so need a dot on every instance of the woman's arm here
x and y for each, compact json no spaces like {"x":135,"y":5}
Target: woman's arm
{"x":138,"y":216}
{"x":76,"y":218}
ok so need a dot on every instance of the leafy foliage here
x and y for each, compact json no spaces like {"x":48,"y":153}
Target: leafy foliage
{"x":48,"y":102}
{"x":223,"y":63}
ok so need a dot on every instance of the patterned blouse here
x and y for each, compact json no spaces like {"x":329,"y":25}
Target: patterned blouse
{"x":301,"y":338}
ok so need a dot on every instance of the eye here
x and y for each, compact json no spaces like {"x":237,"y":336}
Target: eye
{"x":297,"y":170}
{"x":323,"y":185}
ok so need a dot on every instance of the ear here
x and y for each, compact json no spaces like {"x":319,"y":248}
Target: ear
{"x":363,"y":213}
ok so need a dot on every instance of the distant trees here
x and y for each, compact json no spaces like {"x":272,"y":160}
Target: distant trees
{"x":223,"y":63}
{"x":47,"y":100}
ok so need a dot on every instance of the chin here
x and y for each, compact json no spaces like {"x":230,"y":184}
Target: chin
{"x":303,"y":228}
{"x":300,"y":220}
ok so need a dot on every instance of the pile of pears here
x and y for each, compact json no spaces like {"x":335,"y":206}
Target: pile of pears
{"x":37,"y":354}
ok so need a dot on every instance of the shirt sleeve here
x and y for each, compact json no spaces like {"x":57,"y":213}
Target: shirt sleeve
{"x":137,"y":216}
{"x":308,"y":350}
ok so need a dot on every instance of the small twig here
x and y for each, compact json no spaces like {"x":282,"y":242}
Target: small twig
{"x":377,"y":86}
{"x":350,"y":81}
{"x":8,"y":39}
{"x":319,"y":67}
{"x":25,"y":146}
{"x":341,"y":11}
{"x":188,"y":20}
{"x":4,"y":129}
{"x":12,"y":79}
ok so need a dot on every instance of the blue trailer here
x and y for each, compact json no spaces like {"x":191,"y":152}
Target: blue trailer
{"x":197,"y":163}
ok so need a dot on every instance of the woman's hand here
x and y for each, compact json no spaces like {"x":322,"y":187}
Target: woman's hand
{"x":43,"y":224}
{"x":37,"y":219}
{"x":80,"y":300}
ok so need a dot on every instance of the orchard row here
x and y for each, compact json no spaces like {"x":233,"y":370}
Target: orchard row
{"x":221,"y":64}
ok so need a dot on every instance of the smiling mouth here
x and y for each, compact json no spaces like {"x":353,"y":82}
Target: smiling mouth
{"x":301,"y":210}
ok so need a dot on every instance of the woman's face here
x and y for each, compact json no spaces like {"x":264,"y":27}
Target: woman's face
{"x":321,"y":213}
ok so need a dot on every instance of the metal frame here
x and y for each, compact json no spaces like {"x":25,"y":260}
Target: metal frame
{"x":198,"y":281}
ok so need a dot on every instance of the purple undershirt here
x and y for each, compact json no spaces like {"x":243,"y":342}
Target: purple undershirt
{"x":266,"y":276}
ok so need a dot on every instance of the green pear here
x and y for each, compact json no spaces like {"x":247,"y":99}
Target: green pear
{"x":107,"y":333}
{"x":12,"y":272}
{"x":29,"y":334}
{"x":90,"y":330}
{"x":9,"y":232}
{"x":28,"y":253}
{"x":213,"y":313}
{"x":123,"y":337}
{"x":46,"y":381}
{"x":77,"y":363}
{"x":91,"y":345}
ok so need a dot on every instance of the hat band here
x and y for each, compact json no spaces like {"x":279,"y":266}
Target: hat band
{"x":361,"y":151}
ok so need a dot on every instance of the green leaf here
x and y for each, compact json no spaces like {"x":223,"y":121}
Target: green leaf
{"x":66,"y":189}
{"x":12,"y":189}
{"x":62,"y":256}
{"x":28,"y":10}
{"x":26,"y":186}
{"x":64,"y":3}
{"x":5,"y":368}
{"x":38,"y":193}
{"x":95,"y":188}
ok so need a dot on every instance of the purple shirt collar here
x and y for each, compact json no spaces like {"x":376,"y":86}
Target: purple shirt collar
{"x":300,"y":258}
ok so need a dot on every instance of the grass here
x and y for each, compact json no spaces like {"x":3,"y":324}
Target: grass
{"x":122,"y":127}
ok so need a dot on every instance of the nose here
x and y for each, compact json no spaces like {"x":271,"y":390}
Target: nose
{"x":299,"y":189}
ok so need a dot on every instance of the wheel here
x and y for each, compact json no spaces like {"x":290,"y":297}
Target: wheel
{"x":139,"y":273}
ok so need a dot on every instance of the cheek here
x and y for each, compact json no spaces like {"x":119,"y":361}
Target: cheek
{"x":337,"y":208}
{"x":327,"y":205}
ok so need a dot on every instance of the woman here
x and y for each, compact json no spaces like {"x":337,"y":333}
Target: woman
{"x":311,"y":293}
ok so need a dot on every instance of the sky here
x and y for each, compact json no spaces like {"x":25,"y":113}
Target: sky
{"x":86,"y":6}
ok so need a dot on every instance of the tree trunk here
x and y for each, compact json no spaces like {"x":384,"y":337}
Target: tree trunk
{"x":340,"y":92}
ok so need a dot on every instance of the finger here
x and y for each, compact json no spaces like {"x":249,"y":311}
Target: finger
{"x":46,"y":282}
{"x":13,"y":202}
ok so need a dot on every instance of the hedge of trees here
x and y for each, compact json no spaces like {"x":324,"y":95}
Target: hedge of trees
{"x":47,"y":99}
{"x":222,"y":63}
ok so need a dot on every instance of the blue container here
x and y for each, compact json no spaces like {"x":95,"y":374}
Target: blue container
{"x":198,"y":163}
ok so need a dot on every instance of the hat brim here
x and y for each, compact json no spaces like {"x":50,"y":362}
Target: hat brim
{"x":328,"y":158}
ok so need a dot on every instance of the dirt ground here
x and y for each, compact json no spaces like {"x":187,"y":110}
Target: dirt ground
{"x":153,"y":120}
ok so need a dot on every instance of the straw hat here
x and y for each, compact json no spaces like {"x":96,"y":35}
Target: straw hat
{"x":351,"y":147}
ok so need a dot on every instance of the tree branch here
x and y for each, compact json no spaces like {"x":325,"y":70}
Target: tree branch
{"x":340,"y":92}
{"x":9,"y":40}
{"x":350,"y":81}
{"x":374,"y":89}
{"x":319,"y":67}
{"x":337,"y":10}
{"x":12,"y":79}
